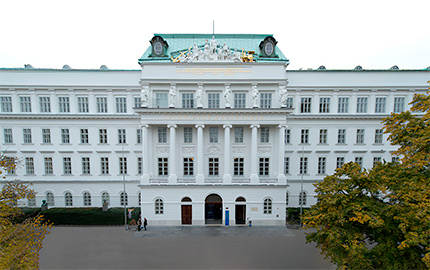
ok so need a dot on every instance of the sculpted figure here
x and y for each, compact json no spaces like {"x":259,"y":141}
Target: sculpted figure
{"x":254,"y":95}
{"x":213,"y":48}
{"x":283,"y":96}
{"x":206,"y":51}
{"x":195,"y":52}
{"x":227,"y":94}
{"x":199,"y":95}
{"x":172,"y":96}
{"x":144,"y":95}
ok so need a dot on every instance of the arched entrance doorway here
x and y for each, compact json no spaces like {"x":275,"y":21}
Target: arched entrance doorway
{"x":186,"y":211}
{"x":240,"y":210}
{"x":213,"y":209}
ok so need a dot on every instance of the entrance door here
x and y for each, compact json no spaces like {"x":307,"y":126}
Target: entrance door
{"x":213,"y":209}
{"x":240,"y":214}
{"x":186,"y":214}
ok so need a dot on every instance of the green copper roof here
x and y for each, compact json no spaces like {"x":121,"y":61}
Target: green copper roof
{"x":182,"y":42}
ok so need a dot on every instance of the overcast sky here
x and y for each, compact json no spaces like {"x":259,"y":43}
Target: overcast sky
{"x":375,"y":34}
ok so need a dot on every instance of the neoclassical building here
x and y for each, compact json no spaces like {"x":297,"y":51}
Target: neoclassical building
{"x":210,"y":129}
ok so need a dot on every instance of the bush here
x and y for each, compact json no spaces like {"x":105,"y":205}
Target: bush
{"x":26,"y":212}
{"x":293,"y":215}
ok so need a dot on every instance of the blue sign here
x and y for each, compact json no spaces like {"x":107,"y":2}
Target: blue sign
{"x":227,"y":217}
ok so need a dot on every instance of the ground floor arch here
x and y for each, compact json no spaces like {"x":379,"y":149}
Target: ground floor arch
{"x":240,"y":211}
{"x":186,"y":211}
{"x":213,"y":209}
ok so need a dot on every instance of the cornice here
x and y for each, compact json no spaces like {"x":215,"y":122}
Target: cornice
{"x":339,"y":116}
{"x":71,"y":116}
{"x":248,"y":111}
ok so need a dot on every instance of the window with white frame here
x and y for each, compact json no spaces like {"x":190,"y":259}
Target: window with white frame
{"x":8,"y":137}
{"x":188,"y":135}
{"x":103,"y":137}
{"x":360,"y":136}
{"x":46,"y":135}
{"x":265,"y":100}
{"x":68,"y":199}
{"x":359,"y":161}
{"x":343,"y":105}
{"x":105,"y":198}
{"x":50,"y":199}
{"x":161,"y":100}
{"x":287,"y":165}
{"x":63,"y":104}
{"x":380,"y":104}
{"x":267,"y":206}
{"x":341,"y":136}
{"x":302,"y":198}
{"x":305,"y":104}
{"x":324,"y":105}
{"x":86,"y":166}
{"x":25,"y":103}
{"x":139,"y":136}
{"x":104,"y":165}
{"x":239,"y":100}
{"x":139,"y":195}
{"x":339,"y":162}
{"x":162,"y":135}
{"x":121,"y":104}
{"x":6,"y":104}
{"x":163,"y":166}
{"x":322,"y":165}
{"x":137,"y":102}
{"x":83,"y":105}
{"x":264,"y":135}
{"x":303,"y":165}
{"x":188,"y":166}
{"x":323,"y":136}
{"x":287,"y":198}
{"x":238,"y":166}
{"x":399,"y":104}
{"x":45,"y":104}
{"x":48,"y":166}
{"x":65,"y":136}
{"x":159,"y":207}
{"x":238,"y":134}
{"x":67,"y":165}
{"x":264,"y":167}
{"x":287,"y":136}
{"x":376,"y":160}
{"x":32,"y":201}
{"x":213,"y":100}
{"x":379,"y":136}
{"x":29,"y":166}
{"x":139,"y":165}
{"x":124,"y":198}
{"x":84,"y":135}
{"x":187,"y":100}
{"x":213,"y":134}
{"x":362,"y":104}
{"x":87,"y":199}
{"x":304,"y":136}
{"x":121,"y":136}
{"x":290,"y":102}
{"x":122,"y":165}
{"x":102,"y":104}
{"x":26,"y":132}
{"x":213,"y":166}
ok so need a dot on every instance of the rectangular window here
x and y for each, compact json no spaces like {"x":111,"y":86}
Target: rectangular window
{"x":139,"y":136}
{"x":238,"y":134}
{"x":86,"y":165}
{"x":121,"y":104}
{"x":264,"y":135}
{"x":399,"y":104}
{"x":265,"y":100}
{"x":240,"y":100}
{"x":264,"y":167}
{"x":26,"y":132}
{"x":343,"y":106}
{"x":188,"y":135}
{"x":188,"y":166}
{"x":323,"y":136}
{"x":104,"y":165}
{"x":163,"y":167}
{"x":359,"y":161}
{"x":48,"y":166}
{"x":187,"y":100}
{"x":25,"y":104}
{"x":122,"y":165}
{"x":213,"y":166}
{"x":63,"y":104}
{"x":83,"y":105}
{"x":137,"y":102}
{"x":305,"y":105}
{"x":287,"y":165}
{"x":65,"y":135}
{"x":29,"y":166}
{"x":213,"y":134}
{"x":289,"y":103}
{"x":341,"y":136}
{"x":340,"y":161}
{"x":139,"y":165}
{"x":84,"y":135}
{"x":8,"y":138}
{"x":395,"y":159}
{"x":162,"y":135}
{"x":121,"y":136}
{"x":304,"y":137}
{"x":362,"y":105}
{"x":376,"y":160}
{"x":238,"y":164}
{"x":102,"y":105}
{"x":321,"y":165}
{"x":6,"y":104}
{"x":360,"y":136}
{"x":287,"y":139}
{"x":67,"y":165}
{"x":324,"y":105}
{"x":379,"y":136}
{"x":213,"y":100}
{"x":46,"y":135}
{"x":103,"y":138}
{"x":303,"y":165}
{"x":161,"y":100}
{"x":380,"y":104}
{"x":45,"y":104}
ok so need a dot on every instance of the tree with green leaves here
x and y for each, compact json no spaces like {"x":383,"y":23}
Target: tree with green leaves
{"x":380,"y":218}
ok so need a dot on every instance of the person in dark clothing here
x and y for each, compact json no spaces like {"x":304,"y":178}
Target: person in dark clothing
{"x":139,"y":224}
{"x":145,"y":223}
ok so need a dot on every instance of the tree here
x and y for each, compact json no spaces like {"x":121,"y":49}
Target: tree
{"x":380,"y":218}
{"x":20,"y":242}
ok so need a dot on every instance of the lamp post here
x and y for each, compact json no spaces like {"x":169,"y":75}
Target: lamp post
{"x":123,"y":192}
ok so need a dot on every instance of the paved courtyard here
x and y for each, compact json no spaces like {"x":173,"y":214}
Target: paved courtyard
{"x":182,"y":247}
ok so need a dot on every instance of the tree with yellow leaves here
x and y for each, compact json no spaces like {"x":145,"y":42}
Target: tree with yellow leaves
{"x":380,"y":218}
{"x":19,"y":242}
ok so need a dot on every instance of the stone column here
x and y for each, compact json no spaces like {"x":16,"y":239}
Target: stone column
{"x":281,"y":155}
{"x":200,"y":158}
{"x":145,"y":155}
{"x":227,"y":154}
{"x":254,"y":154}
{"x":172,"y":155}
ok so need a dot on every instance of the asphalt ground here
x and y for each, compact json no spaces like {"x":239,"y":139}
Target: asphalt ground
{"x":180,"y":247}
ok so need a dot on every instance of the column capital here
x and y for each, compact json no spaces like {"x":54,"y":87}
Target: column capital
{"x":200,"y":126}
{"x":172,"y":126}
{"x":144,"y":126}
{"x":254,"y":126}
{"x":282,"y":126}
{"x":227,"y":126}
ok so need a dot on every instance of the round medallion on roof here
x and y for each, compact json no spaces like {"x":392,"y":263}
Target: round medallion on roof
{"x":66,"y":67}
{"x":268,"y":48}
{"x":103,"y":67}
{"x":394,"y":67}
{"x":321,"y":68}
{"x":358,"y":68}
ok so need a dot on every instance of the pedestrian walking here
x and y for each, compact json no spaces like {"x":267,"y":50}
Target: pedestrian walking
{"x":139,"y":224}
{"x":145,"y":223}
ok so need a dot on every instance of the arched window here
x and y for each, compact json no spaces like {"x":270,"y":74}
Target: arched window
{"x":68,"y":199}
{"x":186,"y":199}
{"x":159,"y":207}
{"x":124,"y":198}
{"x":267,"y":206}
{"x":302,"y":198}
{"x":50,"y":199}
{"x":87,"y":199}
{"x":105,"y":198}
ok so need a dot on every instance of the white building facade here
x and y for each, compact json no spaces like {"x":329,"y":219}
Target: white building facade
{"x":208,"y":131}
